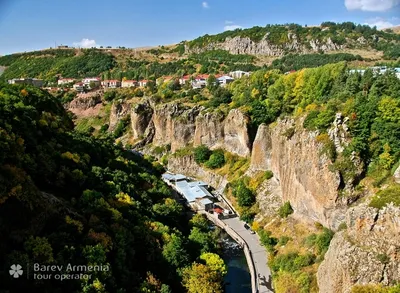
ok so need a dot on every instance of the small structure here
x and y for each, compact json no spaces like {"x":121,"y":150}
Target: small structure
{"x":32,"y":81}
{"x":79,"y":87}
{"x":88,"y":81}
{"x":224,"y":80}
{"x":205,"y":204}
{"x":112,"y":83}
{"x":143,"y":82}
{"x":238,"y":74}
{"x":63,"y":81}
{"x":129,"y":83}
{"x":184,"y":79}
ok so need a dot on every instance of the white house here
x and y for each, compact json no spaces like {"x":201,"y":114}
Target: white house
{"x":95,"y":80}
{"x":238,"y":74}
{"x":79,"y":87}
{"x":129,"y":83}
{"x":62,"y":81}
{"x":224,"y":80}
{"x":184,"y":79}
{"x":33,"y":81}
{"x":143,"y":82}
{"x":113,"y":83}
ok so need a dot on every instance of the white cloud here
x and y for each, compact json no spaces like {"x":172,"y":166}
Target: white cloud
{"x":205,"y":5}
{"x":381,"y":23}
{"x":228,"y":22}
{"x":371,"y":5}
{"x":85,"y":43}
{"x":231,"y":27}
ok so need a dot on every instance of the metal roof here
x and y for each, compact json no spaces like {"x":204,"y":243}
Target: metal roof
{"x":205,"y":201}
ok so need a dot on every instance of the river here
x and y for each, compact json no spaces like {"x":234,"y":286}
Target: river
{"x":238,"y":279}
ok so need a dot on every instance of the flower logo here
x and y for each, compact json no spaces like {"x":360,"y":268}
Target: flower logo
{"x":16,"y":271}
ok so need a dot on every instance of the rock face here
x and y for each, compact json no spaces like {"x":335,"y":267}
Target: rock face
{"x":261,"y":152}
{"x":209,"y":130}
{"x":83,"y":103}
{"x":302,"y":173}
{"x":118,"y":111}
{"x":180,"y":126}
{"x":239,"y":45}
{"x":236,"y":137}
{"x":367,"y":252}
{"x":141,"y":115}
{"x":396,"y":175}
{"x":174,"y":124}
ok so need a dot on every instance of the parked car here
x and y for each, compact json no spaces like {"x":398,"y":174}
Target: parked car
{"x":247,"y":226}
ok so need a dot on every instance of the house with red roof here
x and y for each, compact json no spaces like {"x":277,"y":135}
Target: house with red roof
{"x":112,"y":83}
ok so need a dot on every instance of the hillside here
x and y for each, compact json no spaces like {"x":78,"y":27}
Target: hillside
{"x":308,"y":158}
{"x":247,"y":49}
{"x":68,"y":198}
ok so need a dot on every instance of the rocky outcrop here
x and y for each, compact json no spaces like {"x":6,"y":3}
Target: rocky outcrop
{"x":396,"y":175}
{"x":174,"y":124}
{"x":209,"y":130}
{"x":83,"y":103}
{"x":118,"y":111}
{"x":367,"y":252}
{"x":293,"y":155}
{"x":339,"y":132}
{"x":180,"y":126}
{"x":236,"y":136}
{"x":239,"y":45}
{"x":261,"y":152}
{"x":141,"y":115}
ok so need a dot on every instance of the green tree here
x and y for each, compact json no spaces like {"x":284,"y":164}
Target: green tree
{"x":201,"y":154}
{"x":174,"y":251}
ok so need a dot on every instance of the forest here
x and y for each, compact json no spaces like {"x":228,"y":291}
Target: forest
{"x":69,"y":198}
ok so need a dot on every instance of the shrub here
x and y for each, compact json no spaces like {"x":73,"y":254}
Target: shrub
{"x":342,"y":226}
{"x":284,"y":240}
{"x":247,"y":215}
{"x":288,"y":133}
{"x":268,"y":174}
{"x":386,"y":196}
{"x":245,"y":196}
{"x":217,"y":160}
{"x":323,"y":240}
{"x":266,"y":240}
{"x":202,"y":154}
{"x":285,"y":210}
{"x":383,"y":258}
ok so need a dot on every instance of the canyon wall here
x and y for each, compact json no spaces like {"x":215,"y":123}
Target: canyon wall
{"x":244,"y":45}
{"x":368,"y":251}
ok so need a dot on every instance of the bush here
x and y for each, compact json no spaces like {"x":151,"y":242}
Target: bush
{"x":245,"y":196}
{"x":323,"y":240}
{"x":202,"y":154}
{"x":386,"y":196}
{"x":292,"y":261}
{"x":217,"y":160}
{"x":268,"y":174}
{"x":266,"y":240}
{"x":247,"y":215}
{"x":285,"y":210}
{"x":284,"y":240}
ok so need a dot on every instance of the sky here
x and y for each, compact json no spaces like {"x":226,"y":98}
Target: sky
{"x":27,"y":25}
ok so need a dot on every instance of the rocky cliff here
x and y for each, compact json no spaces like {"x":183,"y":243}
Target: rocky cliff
{"x":244,"y":45}
{"x":180,"y":126}
{"x":293,"y":155}
{"x":368,"y":251}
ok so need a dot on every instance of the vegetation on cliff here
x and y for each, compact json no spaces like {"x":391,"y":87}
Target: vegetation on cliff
{"x":70,"y":198}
